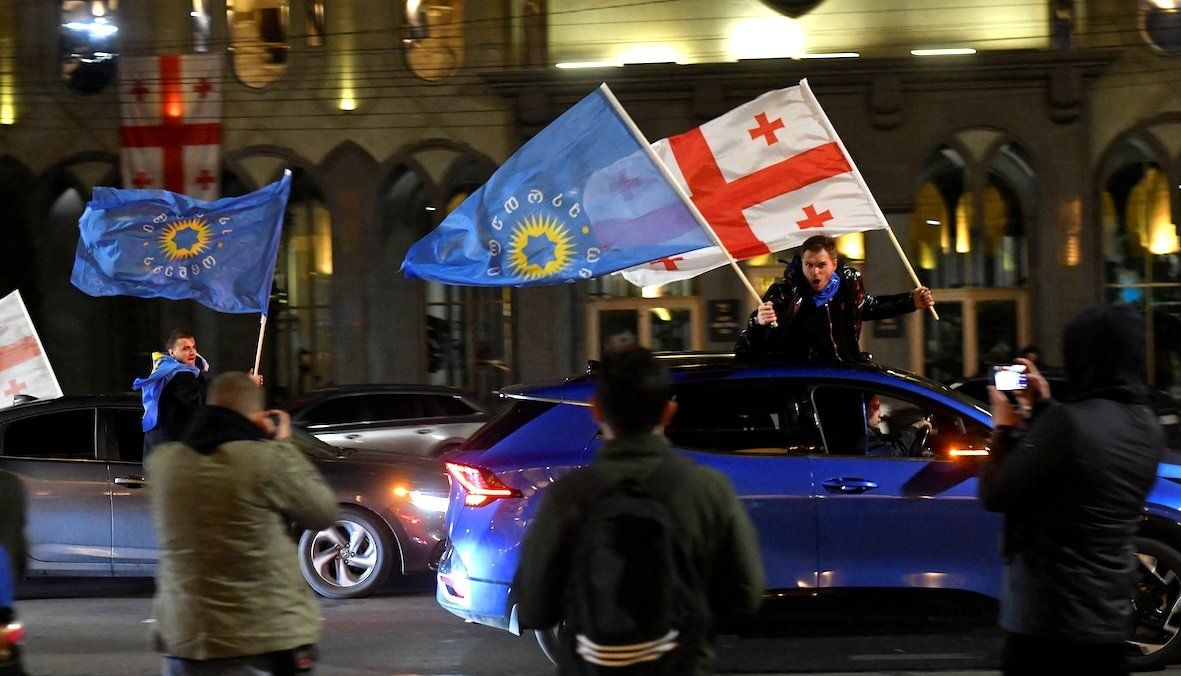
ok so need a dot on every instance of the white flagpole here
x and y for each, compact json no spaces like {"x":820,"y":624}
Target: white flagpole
{"x":680,"y":191}
{"x":820,"y":114}
{"x":262,"y":327}
{"x":262,"y":318}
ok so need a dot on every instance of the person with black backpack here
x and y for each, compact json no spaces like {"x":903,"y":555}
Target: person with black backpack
{"x":635,"y":555}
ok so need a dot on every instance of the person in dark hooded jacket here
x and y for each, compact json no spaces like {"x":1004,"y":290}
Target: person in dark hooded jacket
{"x":815,"y":313}
{"x":1071,"y":480}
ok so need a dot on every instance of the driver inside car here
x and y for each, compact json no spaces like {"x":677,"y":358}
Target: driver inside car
{"x":909,"y":442}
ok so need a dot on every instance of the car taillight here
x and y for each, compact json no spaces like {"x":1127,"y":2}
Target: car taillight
{"x":12,"y":634}
{"x":480,"y":485}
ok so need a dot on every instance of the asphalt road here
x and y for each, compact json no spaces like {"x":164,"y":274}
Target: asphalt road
{"x":93,"y":627}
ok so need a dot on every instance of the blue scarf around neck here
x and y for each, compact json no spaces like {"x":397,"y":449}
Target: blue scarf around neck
{"x":826,"y":294}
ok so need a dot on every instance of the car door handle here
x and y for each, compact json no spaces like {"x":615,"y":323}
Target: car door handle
{"x":848,"y":485}
{"x":423,"y":430}
{"x":130,"y":481}
{"x":352,"y":437}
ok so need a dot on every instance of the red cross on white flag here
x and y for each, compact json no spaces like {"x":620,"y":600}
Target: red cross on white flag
{"x":766,"y":176}
{"x":24,"y":368}
{"x":171,"y":135}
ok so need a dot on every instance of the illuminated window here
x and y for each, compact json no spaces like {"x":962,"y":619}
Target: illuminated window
{"x":433,"y":37}
{"x":1160,"y":24}
{"x":1142,"y":253}
{"x":314,"y":22}
{"x":88,"y":37}
{"x":258,"y":39}
{"x":964,"y":238}
{"x":303,"y":284}
{"x":200,"y":15}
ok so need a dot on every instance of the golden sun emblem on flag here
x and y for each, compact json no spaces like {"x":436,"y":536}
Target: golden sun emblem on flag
{"x":185,"y":238}
{"x":540,"y":246}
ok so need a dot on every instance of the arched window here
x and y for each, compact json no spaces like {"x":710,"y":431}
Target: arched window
{"x":968,"y":241}
{"x":303,"y":289}
{"x":88,"y":37}
{"x":969,"y":236}
{"x":258,"y":39}
{"x":1142,"y":253}
{"x":1160,"y":25}
{"x":466,"y":332}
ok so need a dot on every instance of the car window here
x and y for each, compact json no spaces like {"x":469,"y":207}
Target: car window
{"x":335,"y":411}
{"x":438,"y":406}
{"x":358,"y":408}
{"x":845,"y":415}
{"x":125,"y":437}
{"x":394,"y":406}
{"x":63,"y":435}
{"x":744,"y":416}
{"x":518,"y":414}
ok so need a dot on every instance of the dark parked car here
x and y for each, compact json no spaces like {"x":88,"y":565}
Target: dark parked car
{"x":413,"y":419}
{"x":81,"y":462}
{"x":793,"y":440}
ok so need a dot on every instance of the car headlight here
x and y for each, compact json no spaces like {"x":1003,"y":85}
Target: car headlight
{"x":427,"y":502}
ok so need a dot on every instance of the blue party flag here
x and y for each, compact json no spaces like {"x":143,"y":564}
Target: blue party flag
{"x":160,"y":244}
{"x":584,"y":197}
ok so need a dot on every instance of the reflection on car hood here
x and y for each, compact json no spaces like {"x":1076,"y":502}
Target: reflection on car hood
{"x":1170,"y":465}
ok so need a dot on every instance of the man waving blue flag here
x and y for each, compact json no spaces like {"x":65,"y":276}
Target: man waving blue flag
{"x":584,"y":197}
{"x":160,"y":244}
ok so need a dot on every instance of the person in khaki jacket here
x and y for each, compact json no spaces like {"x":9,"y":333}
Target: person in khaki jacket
{"x":230,"y":598}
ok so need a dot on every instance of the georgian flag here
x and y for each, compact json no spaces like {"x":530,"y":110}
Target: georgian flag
{"x":766,"y":176}
{"x":24,"y":368}
{"x":171,"y":134}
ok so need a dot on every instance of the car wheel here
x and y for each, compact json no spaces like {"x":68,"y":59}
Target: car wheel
{"x":1156,"y":602}
{"x":349,"y":559}
{"x":549,"y":640}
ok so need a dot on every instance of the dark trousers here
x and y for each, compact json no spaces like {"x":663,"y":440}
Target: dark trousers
{"x":1033,"y":655}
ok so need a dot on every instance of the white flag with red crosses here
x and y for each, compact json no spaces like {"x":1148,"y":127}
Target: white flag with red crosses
{"x":171,"y":134}
{"x":24,"y":368}
{"x":766,"y":176}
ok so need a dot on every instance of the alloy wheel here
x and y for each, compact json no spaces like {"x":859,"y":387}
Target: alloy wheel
{"x":344,"y":554}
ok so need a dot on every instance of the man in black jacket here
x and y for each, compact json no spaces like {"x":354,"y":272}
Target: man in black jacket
{"x":815,"y":313}
{"x":174,"y":390}
{"x":1072,"y":480}
{"x":720,"y":546}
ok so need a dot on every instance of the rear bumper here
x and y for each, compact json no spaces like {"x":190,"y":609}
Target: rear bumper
{"x":479,"y":601}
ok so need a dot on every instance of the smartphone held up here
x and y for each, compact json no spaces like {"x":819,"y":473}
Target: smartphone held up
{"x":1010,"y":377}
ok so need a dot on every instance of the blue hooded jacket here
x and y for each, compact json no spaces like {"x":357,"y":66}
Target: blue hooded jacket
{"x":164,"y":369}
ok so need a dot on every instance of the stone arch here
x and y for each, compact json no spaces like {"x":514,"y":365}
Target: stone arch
{"x":16,"y":219}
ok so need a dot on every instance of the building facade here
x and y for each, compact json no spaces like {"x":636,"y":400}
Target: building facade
{"x":1030,"y":169}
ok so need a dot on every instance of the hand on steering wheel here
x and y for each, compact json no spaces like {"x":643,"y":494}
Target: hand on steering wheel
{"x":924,"y":429}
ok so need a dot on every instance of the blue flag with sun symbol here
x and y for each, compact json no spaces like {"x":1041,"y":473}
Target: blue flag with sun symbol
{"x":582,"y":198}
{"x":159,"y":244}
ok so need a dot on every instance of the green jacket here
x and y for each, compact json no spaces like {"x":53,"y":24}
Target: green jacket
{"x":228,"y":583}
{"x":12,"y":522}
{"x":720,"y":540}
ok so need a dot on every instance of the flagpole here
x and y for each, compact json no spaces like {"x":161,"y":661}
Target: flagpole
{"x":631,"y":125}
{"x":823,"y":117}
{"x":262,"y":317}
{"x":262,"y":327}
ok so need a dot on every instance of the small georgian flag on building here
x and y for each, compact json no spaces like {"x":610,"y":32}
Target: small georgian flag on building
{"x":766,"y":176}
{"x":171,"y":134}
{"x":24,"y":368}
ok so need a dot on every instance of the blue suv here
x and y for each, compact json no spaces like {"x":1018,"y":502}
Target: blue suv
{"x":832,"y":511}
